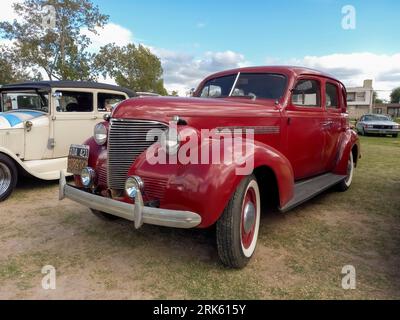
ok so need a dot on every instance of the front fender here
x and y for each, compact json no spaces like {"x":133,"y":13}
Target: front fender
{"x":97,"y":158}
{"x":12,"y":155}
{"x":348,"y":141}
{"x":207,"y":188}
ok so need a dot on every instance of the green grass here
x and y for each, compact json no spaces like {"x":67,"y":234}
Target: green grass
{"x":359,"y":227}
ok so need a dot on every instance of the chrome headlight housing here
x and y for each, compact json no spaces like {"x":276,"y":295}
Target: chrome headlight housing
{"x":88,"y":177}
{"x":170,"y":141}
{"x":133,"y":185}
{"x":100,"y":134}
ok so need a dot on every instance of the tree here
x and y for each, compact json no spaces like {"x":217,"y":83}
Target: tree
{"x":376,"y":99}
{"x":174,"y":93}
{"x":9,"y":71}
{"x":132,"y":67}
{"x":60,"y":50}
{"x":395,"y":95}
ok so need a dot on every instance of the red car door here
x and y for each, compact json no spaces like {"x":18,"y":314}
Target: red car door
{"x":305,"y":119}
{"x":333,"y":123}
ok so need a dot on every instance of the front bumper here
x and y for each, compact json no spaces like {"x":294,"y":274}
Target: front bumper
{"x":137,"y":213}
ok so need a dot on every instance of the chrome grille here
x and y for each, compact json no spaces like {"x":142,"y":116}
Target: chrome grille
{"x":127,"y":140}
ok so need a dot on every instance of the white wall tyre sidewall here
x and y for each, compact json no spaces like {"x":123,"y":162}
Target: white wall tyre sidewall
{"x":248,"y":253}
{"x":349,"y":179}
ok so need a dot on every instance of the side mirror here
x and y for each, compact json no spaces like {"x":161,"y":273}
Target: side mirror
{"x":191,"y":92}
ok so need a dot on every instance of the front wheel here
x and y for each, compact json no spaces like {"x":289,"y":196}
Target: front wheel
{"x":346,"y":183}
{"x":238,"y":227}
{"x":8,"y":177}
{"x":396,"y":135}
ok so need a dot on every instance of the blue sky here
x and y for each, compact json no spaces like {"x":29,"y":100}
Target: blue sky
{"x":260,"y":28}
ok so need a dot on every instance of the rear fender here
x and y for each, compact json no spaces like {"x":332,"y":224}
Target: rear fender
{"x":349,"y":141}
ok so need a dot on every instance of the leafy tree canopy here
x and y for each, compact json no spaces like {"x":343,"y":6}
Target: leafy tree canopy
{"x":48,"y":36}
{"x":60,"y":50}
{"x":134,"y":67}
{"x":395,"y":95}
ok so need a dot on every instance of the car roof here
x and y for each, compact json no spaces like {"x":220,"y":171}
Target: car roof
{"x":293,"y":70}
{"x":48,"y":85}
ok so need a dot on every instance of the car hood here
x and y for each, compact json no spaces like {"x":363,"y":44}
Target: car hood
{"x":16,"y":119}
{"x":164,"y":108}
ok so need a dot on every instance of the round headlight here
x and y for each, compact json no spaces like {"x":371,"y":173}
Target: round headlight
{"x":170,"y":141}
{"x":100,"y":134}
{"x":88,"y":176}
{"x":133,"y":185}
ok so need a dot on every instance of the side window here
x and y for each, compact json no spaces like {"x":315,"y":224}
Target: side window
{"x":70,"y":101}
{"x":107,"y":101}
{"x":332,"y":99}
{"x":307,"y":93}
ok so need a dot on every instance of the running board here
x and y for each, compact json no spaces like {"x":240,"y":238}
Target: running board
{"x":308,"y":189}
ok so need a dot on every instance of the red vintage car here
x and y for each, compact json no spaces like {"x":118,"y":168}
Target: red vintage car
{"x":172,"y":162}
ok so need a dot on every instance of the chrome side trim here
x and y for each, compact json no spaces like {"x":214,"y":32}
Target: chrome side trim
{"x":137,"y":213}
{"x":256,"y":129}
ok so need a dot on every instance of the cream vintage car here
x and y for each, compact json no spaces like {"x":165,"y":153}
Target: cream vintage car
{"x":40,"y":120}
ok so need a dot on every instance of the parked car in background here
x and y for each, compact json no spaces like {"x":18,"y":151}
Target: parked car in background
{"x":377,"y":124}
{"x":302,"y":144}
{"x":40,"y":120}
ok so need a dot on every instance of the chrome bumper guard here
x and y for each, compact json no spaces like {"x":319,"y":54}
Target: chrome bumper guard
{"x":137,"y":213}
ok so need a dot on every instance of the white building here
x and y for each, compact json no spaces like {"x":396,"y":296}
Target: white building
{"x":360,"y":100}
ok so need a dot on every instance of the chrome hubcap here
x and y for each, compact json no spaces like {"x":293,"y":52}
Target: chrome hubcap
{"x":5,"y":178}
{"x":249,"y":217}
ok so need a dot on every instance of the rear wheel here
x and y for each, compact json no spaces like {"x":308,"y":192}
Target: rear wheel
{"x":8,"y":177}
{"x":345,"y":184}
{"x":238,"y":227}
{"x":104,"y":216}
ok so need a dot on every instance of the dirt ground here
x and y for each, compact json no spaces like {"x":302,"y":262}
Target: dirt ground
{"x":300,"y":254}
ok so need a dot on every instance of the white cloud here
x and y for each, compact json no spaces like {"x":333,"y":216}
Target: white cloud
{"x":111,"y":33}
{"x":7,"y":12}
{"x":354,"y":68}
{"x":184,"y":71}
{"x":201,"y":25}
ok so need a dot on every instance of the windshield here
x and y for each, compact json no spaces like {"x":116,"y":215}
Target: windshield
{"x":246,"y":85}
{"x":12,"y":101}
{"x":376,"y":118}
